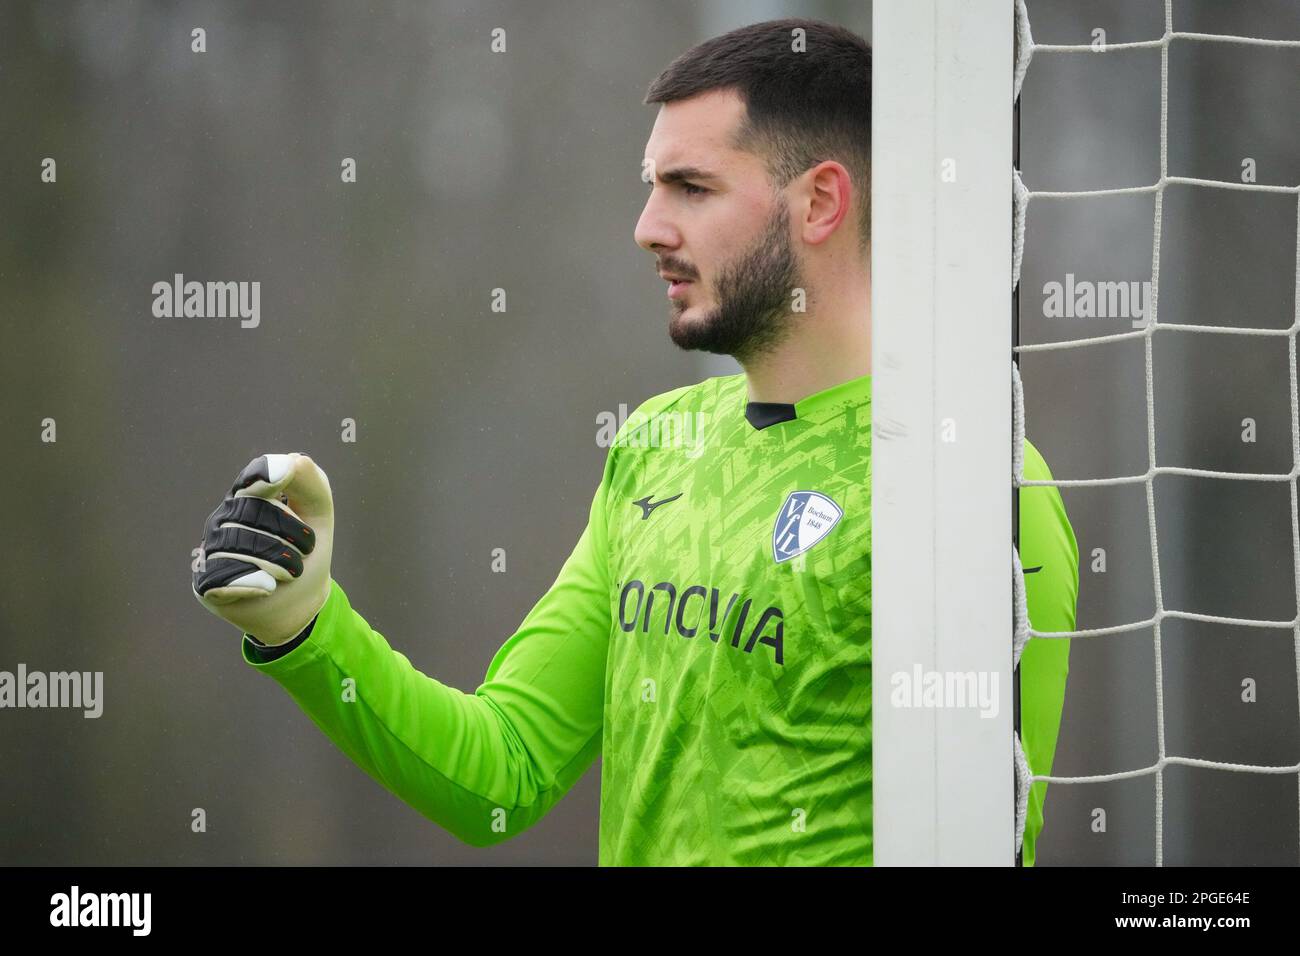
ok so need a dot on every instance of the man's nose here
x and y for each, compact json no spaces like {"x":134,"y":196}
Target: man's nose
{"x":653,"y":231}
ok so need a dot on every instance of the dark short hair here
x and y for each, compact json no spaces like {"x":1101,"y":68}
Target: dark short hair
{"x":801,"y":107}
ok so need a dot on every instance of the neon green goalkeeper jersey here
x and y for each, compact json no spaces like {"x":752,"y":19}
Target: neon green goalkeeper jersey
{"x":709,"y":638}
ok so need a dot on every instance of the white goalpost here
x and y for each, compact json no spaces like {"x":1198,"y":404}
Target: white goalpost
{"x":942,"y":596}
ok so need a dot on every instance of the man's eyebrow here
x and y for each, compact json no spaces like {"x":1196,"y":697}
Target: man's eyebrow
{"x":682,"y":173}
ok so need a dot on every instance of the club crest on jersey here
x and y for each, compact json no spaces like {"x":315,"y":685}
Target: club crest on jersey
{"x":804,"y":519}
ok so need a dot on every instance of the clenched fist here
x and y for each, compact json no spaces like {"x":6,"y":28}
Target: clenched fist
{"x":266,"y":548}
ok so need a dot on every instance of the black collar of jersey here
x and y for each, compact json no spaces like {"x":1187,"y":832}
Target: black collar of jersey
{"x":762,"y":414}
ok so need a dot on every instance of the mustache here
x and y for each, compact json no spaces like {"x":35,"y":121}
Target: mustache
{"x":675,"y":268}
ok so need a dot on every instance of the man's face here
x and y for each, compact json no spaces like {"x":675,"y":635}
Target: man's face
{"x":712,"y":219}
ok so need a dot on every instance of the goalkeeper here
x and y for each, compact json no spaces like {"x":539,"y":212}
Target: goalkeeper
{"x":709,"y":637}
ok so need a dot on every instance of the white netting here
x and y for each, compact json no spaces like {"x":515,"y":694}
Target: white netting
{"x":1025,"y":50}
{"x":1023,"y":781}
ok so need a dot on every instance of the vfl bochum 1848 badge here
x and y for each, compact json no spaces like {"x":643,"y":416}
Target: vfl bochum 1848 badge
{"x":804,"y":519}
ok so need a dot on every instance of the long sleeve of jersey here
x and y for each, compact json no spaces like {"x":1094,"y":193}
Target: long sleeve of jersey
{"x":485,"y":766}
{"x":1050,"y":556}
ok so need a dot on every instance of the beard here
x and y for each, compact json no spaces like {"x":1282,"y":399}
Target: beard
{"x":752,"y":292}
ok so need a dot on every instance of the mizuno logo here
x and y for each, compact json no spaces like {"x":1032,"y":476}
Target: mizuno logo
{"x":1032,"y":570}
{"x":648,"y":506}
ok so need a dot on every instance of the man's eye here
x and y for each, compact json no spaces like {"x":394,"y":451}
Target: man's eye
{"x":689,"y":188}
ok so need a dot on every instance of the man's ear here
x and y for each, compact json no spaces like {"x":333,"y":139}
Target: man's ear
{"x":830,"y":200}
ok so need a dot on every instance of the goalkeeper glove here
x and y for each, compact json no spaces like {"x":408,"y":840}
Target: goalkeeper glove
{"x":266,"y":549}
